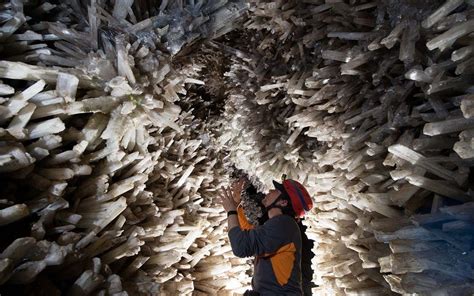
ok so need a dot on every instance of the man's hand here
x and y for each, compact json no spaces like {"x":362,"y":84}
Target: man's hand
{"x":230,"y":196}
{"x":237,"y":188}
{"x":227,"y":200}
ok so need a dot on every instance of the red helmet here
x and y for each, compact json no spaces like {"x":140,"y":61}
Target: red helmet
{"x":299,"y":196}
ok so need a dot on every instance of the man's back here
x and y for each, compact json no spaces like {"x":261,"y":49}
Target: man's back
{"x":277,"y":247}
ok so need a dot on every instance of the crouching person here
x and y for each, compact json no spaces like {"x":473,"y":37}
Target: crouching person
{"x":276,"y":244}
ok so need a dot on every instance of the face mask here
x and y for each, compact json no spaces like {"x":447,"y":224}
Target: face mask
{"x":284,"y":209}
{"x":274,"y":205}
{"x":266,"y":209}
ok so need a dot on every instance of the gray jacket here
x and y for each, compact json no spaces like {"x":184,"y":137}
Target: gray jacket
{"x":277,"y":247}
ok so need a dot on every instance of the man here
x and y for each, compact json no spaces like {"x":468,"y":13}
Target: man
{"x":277,"y":243}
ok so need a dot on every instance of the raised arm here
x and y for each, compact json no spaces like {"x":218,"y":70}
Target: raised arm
{"x":243,"y":222}
{"x":230,"y":198}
